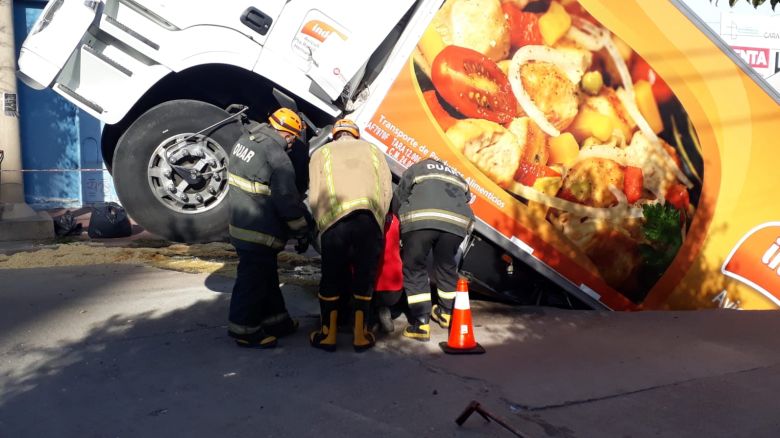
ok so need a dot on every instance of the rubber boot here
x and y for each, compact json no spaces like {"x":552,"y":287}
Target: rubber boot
{"x":257,"y":339}
{"x":420,"y":329}
{"x":362,"y":339}
{"x":441,"y":316}
{"x":325,"y":337}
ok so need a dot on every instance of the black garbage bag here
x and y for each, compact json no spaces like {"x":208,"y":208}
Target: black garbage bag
{"x":109,"y":220}
{"x":66,"y":225}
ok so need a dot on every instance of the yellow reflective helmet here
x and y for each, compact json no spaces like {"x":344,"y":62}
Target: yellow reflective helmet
{"x":285,"y":119}
{"x":346,"y":125}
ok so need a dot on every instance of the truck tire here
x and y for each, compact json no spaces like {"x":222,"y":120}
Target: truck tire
{"x":172,"y":183}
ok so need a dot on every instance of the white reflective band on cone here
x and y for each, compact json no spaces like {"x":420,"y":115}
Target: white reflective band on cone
{"x":462,"y":300}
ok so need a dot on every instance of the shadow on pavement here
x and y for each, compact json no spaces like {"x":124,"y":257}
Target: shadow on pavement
{"x":220,"y":283}
{"x":170,"y":369}
{"x":159,"y":365}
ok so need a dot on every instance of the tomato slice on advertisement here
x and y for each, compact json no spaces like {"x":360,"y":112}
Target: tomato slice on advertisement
{"x":473,"y":84}
{"x":527,"y":173}
{"x":523,"y":26}
{"x":633,"y":180}
{"x":441,"y":115}
{"x":677,"y":195}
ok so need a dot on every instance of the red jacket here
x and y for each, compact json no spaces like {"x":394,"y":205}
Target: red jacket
{"x":389,"y":276}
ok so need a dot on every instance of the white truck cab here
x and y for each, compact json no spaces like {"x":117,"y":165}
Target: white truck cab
{"x":107,"y":54}
{"x":125,"y":61}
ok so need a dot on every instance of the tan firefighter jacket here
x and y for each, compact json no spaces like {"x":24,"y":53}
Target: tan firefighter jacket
{"x":345,"y":176}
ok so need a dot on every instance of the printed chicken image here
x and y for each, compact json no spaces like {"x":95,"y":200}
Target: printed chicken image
{"x":562,"y":114}
{"x":498,"y":151}
{"x":593,"y":182}
{"x":490,"y":146}
{"x":552,"y":92}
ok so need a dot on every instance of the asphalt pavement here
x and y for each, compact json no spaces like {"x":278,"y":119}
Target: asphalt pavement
{"x":129,"y":351}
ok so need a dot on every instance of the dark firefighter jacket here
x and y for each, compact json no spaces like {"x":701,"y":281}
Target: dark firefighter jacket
{"x":265,"y":205}
{"x":431,"y":195}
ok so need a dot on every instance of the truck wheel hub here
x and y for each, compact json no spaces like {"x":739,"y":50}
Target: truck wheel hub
{"x":188,"y":173}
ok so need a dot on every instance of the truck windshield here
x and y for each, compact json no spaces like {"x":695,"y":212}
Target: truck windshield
{"x":749,"y":35}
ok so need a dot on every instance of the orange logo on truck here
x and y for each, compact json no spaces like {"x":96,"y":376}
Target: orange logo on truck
{"x":755,"y":260}
{"x":320,"y":30}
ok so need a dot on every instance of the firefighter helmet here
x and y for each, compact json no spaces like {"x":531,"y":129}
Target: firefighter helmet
{"x":285,"y":119}
{"x":346,"y":125}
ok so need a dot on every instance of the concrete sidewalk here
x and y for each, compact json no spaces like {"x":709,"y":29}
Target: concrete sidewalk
{"x":118,"y":350}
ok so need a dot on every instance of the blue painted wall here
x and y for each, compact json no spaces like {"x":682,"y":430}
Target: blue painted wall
{"x":57,"y":135}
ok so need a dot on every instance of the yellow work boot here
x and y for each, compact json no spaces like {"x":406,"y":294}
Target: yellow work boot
{"x":363,"y":339}
{"x":419,"y":330}
{"x":441,"y":316}
{"x":251,"y":337}
{"x":325,"y":337}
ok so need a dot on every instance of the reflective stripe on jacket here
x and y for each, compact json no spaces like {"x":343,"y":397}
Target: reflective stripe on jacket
{"x":345,"y":176}
{"x":265,"y":205}
{"x":253,"y":187}
{"x":431,"y":195}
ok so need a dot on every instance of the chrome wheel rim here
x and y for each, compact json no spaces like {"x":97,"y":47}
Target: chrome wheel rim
{"x":188,"y":173}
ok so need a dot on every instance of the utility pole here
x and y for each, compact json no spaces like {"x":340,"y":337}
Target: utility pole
{"x":12,"y":189}
{"x":17,"y":220}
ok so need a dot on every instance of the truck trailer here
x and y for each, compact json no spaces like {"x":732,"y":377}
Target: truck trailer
{"x":618,"y":150}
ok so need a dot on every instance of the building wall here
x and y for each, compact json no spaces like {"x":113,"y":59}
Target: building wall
{"x":56,"y":135}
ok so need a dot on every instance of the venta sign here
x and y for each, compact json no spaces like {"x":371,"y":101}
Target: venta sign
{"x":754,"y":56}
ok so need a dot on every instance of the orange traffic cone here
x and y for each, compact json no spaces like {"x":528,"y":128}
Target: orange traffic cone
{"x":461,"y":340}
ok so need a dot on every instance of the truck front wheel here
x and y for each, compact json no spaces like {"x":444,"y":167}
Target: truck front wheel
{"x":171,"y":175}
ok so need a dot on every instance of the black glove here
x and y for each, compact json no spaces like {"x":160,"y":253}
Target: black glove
{"x":303,"y":244}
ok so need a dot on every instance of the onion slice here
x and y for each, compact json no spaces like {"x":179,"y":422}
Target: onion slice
{"x":585,"y":34}
{"x":628,"y":99}
{"x":620,"y":64}
{"x":629,"y":103}
{"x":617,"y":193}
{"x":571,"y":68}
{"x":607,"y":152}
{"x":633,"y":111}
{"x":587,"y":26}
{"x":620,"y":211}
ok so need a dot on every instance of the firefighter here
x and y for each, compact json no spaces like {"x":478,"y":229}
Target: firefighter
{"x":350,"y":189}
{"x":265,"y":209}
{"x":432,"y":201}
